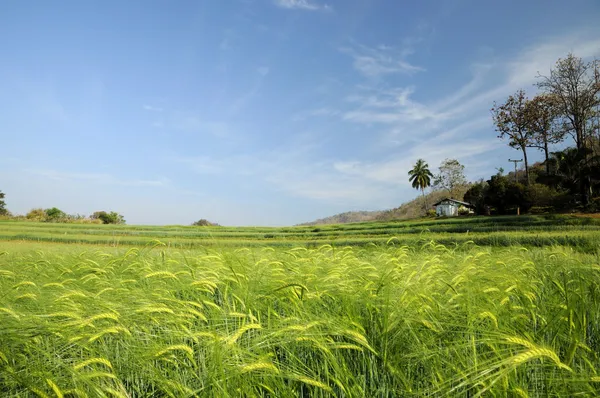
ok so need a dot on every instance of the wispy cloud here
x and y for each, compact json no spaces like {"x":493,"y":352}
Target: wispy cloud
{"x":152,"y":108}
{"x":541,"y":57}
{"x":520,"y":72}
{"x":99,"y":178}
{"x":454,"y":125}
{"x":388,"y":106}
{"x":392,"y":171}
{"x":302,"y":5}
{"x":395,"y":107}
{"x":381,"y":60}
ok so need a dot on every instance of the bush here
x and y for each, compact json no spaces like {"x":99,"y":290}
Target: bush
{"x":542,"y":210}
{"x":37,"y":215}
{"x":204,"y":223}
{"x":476,"y":196}
{"x":463,"y":211}
{"x":593,"y":206}
{"x":430,"y":213}
{"x":55,"y":214}
{"x":83,"y":221}
{"x":108,"y":218}
{"x":542,"y":195}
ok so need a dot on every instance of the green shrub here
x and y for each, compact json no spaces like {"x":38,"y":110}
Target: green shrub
{"x":108,"y":218}
{"x":55,"y":214}
{"x":37,"y":215}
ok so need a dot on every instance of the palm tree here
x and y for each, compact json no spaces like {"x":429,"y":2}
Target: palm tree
{"x":420,"y":176}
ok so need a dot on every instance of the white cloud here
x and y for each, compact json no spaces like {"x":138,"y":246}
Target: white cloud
{"x":490,"y":82}
{"x":381,"y":60}
{"x":302,"y":5}
{"x":389,"y":106}
{"x":393,"y":171}
{"x":540,"y":58}
{"x":521,"y":72}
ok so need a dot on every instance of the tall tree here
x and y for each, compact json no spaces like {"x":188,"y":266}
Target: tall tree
{"x":576,"y":86}
{"x":420,"y":176}
{"x":3,"y":210}
{"x":541,"y":117}
{"x":510,"y":119}
{"x":451,"y":177}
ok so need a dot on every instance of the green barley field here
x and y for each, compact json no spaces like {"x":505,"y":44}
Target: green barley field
{"x":492,"y":307}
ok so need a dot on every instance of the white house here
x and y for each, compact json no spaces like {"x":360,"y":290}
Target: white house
{"x":450,"y":207}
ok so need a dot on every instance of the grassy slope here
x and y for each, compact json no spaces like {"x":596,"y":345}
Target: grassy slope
{"x":406,"y":211}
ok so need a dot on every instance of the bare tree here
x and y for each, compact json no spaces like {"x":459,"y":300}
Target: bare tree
{"x":451,"y":177}
{"x":541,"y":118}
{"x":576,"y":87}
{"x":511,"y":122}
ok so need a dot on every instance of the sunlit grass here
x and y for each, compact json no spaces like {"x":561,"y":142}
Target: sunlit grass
{"x":378,"y":320}
{"x":582,"y":234}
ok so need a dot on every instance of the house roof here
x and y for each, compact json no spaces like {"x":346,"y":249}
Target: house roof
{"x":460,"y":202}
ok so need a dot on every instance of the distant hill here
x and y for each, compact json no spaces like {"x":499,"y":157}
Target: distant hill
{"x":408,"y":210}
{"x":347,"y":217}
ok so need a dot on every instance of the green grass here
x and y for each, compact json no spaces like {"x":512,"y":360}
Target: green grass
{"x":581,"y":233}
{"x":395,"y":315}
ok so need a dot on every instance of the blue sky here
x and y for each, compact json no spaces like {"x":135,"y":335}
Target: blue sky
{"x":261,"y":112}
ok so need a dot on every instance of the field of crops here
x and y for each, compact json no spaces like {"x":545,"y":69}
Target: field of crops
{"x":508,"y":307}
{"x":582,"y":233}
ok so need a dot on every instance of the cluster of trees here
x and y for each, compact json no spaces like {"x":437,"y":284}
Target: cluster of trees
{"x":566,"y":112}
{"x":450,"y":178}
{"x":54,"y":214}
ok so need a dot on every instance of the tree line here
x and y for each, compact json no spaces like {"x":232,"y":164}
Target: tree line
{"x":565,"y":113}
{"x":567,"y":110}
{"x":55,"y":214}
